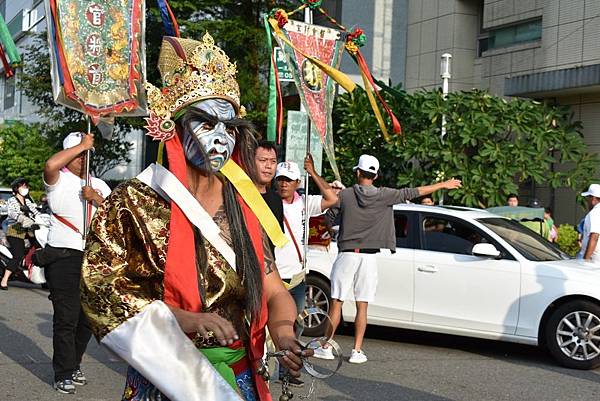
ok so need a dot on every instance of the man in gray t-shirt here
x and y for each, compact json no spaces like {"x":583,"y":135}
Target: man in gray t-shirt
{"x":366,"y":219}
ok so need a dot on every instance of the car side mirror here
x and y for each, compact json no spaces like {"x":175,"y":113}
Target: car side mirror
{"x":485,"y":250}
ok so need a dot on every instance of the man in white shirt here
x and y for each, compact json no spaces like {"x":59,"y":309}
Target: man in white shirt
{"x":289,"y":258}
{"x":64,"y":178}
{"x":591,"y":226}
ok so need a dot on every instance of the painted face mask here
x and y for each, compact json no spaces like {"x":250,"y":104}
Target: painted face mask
{"x":210,"y":138}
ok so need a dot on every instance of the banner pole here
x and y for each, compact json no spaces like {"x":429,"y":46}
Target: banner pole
{"x":88,"y":154}
{"x":308,"y":17}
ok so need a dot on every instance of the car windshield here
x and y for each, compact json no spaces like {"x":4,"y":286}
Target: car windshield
{"x":529,"y":244}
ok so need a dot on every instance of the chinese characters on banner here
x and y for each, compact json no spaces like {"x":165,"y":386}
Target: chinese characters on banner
{"x":97,"y":52}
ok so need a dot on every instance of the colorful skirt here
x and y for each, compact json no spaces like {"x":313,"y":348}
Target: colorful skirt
{"x":138,"y":388}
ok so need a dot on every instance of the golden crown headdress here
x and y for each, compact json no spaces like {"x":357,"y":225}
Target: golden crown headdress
{"x":191,"y":71}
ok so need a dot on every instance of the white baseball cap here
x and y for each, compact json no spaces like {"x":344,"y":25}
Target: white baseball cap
{"x":72,"y":140}
{"x":367,"y":163}
{"x":289,"y":170}
{"x":593,"y":190}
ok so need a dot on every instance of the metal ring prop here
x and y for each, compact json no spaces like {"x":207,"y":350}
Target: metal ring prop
{"x":316,"y":343}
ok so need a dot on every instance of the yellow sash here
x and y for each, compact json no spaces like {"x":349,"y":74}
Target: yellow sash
{"x":246,"y":188}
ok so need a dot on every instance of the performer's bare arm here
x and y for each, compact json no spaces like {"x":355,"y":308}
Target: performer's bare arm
{"x":64,"y":157}
{"x":202,"y":323}
{"x":282,"y":314}
{"x":329,"y":196}
{"x":269,"y":259}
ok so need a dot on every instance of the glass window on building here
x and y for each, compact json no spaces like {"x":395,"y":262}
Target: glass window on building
{"x":36,"y":15}
{"x":9,"y":93}
{"x":525,"y":32}
{"x":3,"y":8}
{"x":15,"y":25}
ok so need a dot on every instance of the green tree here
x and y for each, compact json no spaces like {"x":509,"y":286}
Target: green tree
{"x":24,"y":151}
{"x":568,"y":239}
{"x":237,"y":26}
{"x":492,"y":144}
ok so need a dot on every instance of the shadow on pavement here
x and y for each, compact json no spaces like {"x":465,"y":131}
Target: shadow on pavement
{"x":354,"y":389}
{"x":23,"y":351}
{"x":520,"y":354}
{"x":364,"y":389}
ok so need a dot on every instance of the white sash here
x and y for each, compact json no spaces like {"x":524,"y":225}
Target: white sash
{"x":170,"y":188}
{"x":154,"y":344}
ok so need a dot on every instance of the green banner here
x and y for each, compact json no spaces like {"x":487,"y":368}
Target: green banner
{"x":8,"y":44}
{"x":272,"y":108}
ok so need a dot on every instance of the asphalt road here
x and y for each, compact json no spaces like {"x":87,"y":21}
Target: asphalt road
{"x":403,"y":365}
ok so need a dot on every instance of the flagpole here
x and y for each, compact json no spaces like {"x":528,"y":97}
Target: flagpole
{"x":308,"y":17}
{"x":88,"y":154}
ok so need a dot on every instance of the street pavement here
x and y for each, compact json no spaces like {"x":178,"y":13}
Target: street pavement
{"x":403,"y":365}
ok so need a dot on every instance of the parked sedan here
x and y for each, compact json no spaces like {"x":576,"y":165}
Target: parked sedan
{"x":468,"y":272}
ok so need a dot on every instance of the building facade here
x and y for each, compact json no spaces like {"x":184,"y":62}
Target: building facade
{"x":24,"y":19}
{"x":385,"y":25}
{"x":542,"y":49}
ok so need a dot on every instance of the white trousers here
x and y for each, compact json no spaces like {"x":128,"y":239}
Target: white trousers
{"x":354,"y":274}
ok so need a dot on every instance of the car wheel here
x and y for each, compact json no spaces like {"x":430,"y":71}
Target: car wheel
{"x":572,"y":335}
{"x":318,"y":295}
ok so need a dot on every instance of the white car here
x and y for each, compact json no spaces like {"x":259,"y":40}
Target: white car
{"x":468,"y":272}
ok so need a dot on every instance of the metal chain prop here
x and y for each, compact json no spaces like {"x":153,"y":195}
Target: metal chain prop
{"x":286,"y":393}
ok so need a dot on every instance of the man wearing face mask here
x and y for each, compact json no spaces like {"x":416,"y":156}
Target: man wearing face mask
{"x":178,"y":277}
{"x":64,"y":177}
{"x":21,"y":216}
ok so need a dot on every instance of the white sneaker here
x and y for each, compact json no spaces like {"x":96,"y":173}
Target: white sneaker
{"x":324,"y":353}
{"x":357,"y":357}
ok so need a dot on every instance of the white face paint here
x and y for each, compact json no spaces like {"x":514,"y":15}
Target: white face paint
{"x":210,"y":139}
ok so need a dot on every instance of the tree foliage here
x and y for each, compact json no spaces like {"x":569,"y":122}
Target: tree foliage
{"x":568,"y":239}
{"x":237,"y":26}
{"x":24,"y":151}
{"x":492,"y":144}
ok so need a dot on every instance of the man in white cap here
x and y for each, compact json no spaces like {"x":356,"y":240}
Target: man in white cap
{"x":289,"y":258}
{"x":366,"y":226}
{"x":591,"y":226}
{"x":64,"y":178}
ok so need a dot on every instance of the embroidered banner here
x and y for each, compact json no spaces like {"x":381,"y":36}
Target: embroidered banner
{"x":97,"y":54}
{"x":316,"y":88}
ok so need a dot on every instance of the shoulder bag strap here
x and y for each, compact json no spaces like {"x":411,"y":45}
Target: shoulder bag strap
{"x":293,"y":238}
{"x":67,"y":223}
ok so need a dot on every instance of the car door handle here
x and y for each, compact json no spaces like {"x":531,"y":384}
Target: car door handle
{"x":427,"y":269}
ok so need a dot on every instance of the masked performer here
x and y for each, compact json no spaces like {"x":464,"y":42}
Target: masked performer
{"x":178,"y":277}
